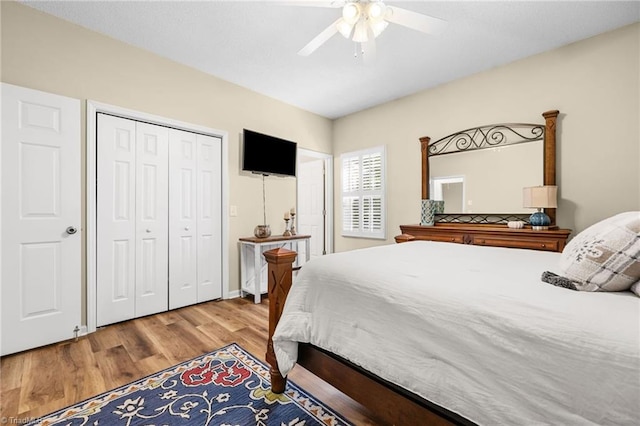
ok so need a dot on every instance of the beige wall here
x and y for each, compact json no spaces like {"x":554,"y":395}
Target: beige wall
{"x":595,"y":85}
{"x":45,"y":53}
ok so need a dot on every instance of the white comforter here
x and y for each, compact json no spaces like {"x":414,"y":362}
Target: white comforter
{"x":474,"y":330}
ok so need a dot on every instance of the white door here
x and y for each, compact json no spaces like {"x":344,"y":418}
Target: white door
{"x":311,"y":199}
{"x":183,"y":165}
{"x":152,"y":219}
{"x":132,"y":219}
{"x":195,"y":234}
{"x":209,"y":211}
{"x":116,"y":219}
{"x":41,"y":237}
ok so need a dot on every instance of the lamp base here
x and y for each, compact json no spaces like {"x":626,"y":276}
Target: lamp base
{"x":539,"y":221}
{"x":539,"y":228}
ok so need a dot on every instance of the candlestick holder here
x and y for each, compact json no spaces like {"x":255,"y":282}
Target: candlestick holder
{"x":293,"y":224}
{"x":287,"y":233}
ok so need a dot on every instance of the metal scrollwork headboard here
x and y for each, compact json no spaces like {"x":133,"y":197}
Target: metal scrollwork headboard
{"x":491,"y":136}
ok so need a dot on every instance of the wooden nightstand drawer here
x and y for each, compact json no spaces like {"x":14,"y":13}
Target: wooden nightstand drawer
{"x":537,"y":244}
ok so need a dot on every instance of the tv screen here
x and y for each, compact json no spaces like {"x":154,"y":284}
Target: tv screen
{"x":268,"y":155}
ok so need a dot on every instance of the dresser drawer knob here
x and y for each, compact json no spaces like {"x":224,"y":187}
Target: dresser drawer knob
{"x":543,"y":245}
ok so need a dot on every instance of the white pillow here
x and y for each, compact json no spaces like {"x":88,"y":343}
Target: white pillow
{"x":606,"y":255}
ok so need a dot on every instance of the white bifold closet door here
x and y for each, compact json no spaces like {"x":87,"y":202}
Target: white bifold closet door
{"x":132,"y":219}
{"x":159,"y":223}
{"x":195,"y":240}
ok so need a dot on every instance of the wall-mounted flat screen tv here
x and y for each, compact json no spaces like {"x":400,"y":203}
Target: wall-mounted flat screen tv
{"x":268,"y":155}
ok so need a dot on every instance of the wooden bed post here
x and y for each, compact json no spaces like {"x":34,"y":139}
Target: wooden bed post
{"x":424,"y":146}
{"x":550,"y":154}
{"x":280,"y":277}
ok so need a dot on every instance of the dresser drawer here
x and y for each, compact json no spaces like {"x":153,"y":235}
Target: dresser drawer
{"x":487,"y":235}
{"x":445,"y":238}
{"x":533,"y":244}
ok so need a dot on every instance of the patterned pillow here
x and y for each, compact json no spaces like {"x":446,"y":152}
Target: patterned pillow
{"x":606,"y":255}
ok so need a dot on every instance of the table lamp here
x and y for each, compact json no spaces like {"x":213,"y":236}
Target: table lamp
{"x":540,"y":197}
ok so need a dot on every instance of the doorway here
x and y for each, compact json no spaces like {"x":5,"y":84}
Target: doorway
{"x":315,"y":200}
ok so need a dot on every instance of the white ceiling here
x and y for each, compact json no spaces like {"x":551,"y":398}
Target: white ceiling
{"x":254,"y":44}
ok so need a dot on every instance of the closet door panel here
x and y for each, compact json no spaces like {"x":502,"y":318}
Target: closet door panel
{"x":182,"y":219}
{"x":209,"y":210}
{"x":116,"y":221}
{"x":152,"y":203}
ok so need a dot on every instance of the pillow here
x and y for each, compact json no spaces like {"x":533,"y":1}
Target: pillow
{"x":606,"y":255}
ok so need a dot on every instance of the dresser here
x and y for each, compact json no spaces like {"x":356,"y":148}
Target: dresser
{"x":487,"y":235}
{"x":253,"y":266}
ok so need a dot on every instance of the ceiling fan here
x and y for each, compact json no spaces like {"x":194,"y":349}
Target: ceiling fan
{"x":364,"y":20}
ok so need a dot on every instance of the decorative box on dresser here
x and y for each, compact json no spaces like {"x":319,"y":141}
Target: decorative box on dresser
{"x":494,"y":235}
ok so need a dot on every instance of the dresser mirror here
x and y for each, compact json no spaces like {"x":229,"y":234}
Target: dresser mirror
{"x":480,"y":172}
{"x":486,"y":180}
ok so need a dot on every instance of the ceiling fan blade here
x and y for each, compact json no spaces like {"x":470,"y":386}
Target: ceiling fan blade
{"x":414,"y":20}
{"x":320,"y":39}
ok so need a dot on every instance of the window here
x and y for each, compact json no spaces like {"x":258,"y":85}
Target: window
{"x":363,"y":207}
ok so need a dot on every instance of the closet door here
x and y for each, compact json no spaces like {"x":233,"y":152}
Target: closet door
{"x":195,"y":191}
{"x":116,"y":219}
{"x":132,"y":219}
{"x":183,"y":164}
{"x":152,"y":219}
{"x":209,"y":210}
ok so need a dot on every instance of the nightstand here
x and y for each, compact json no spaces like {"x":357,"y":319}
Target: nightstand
{"x":253,"y":267}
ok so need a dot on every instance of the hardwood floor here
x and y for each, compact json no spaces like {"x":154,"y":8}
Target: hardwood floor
{"x":39,"y":381}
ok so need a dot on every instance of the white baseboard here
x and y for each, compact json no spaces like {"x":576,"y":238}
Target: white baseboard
{"x":233,"y":294}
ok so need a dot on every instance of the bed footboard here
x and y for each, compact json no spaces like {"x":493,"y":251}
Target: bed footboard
{"x":280,"y":277}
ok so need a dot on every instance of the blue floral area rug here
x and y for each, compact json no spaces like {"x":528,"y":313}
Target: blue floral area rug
{"x":228,"y":387}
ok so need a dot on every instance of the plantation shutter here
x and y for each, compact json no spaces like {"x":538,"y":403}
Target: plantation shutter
{"x":363,"y":193}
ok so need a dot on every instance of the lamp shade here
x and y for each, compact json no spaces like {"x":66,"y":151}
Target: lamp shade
{"x":539,"y":197}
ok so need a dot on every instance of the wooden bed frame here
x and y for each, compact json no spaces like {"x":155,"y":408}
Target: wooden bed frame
{"x":391,"y":403}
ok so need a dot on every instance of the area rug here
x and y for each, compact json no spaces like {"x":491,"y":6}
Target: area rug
{"x":227,"y":387}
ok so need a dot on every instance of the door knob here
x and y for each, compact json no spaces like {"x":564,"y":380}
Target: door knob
{"x":71,"y":230}
{"x":186,"y":228}
{"x":148,"y":230}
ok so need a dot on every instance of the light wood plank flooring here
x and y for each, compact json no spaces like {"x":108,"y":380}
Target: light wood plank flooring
{"x":39,"y":381}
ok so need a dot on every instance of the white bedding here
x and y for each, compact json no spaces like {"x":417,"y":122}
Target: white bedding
{"x":474,"y":330}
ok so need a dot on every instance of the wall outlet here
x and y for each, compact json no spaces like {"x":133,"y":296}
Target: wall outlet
{"x":233,"y":211}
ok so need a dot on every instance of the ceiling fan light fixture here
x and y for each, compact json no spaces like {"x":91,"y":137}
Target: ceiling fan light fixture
{"x":351,"y":13}
{"x":345,"y":28}
{"x":378,"y":27}
{"x":364,"y":20}
{"x":376,"y":10}
{"x":360,"y":32}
